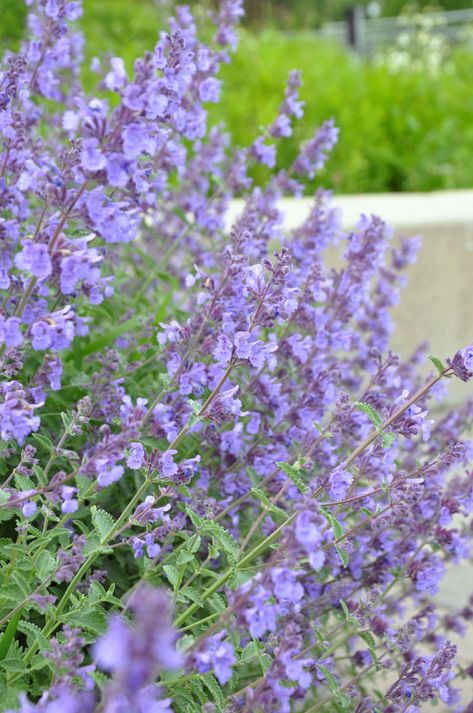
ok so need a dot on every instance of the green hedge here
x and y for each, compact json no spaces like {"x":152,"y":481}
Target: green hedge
{"x":399,"y":132}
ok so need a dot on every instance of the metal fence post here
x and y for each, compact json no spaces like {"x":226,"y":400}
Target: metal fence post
{"x":356,"y":30}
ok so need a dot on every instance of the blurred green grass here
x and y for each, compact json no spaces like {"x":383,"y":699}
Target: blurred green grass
{"x":404,"y":131}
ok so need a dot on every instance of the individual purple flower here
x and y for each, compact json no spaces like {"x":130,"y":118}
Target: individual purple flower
{"x":286,"y":585}
{"x":223,"y":350}
{"x":427,"y":574}
{"x":255,"y":351}
{"x":340,"y":480}
{"x":152,"y":548}
{"x":53,"y":370}
{"x":209,"y":90}
{"x":281,"y":126}
{"x":462,"y":363}
{"x":118,"y":170}
{"x":136,"y":456}
{"x":10,"y":332}
{"x":138,"y":139}
{"x":146,"y":512}
{"x":108,"y":471}
{"x":92,"y":158}
{"x":167,"y":468}
{"x":29,"y":508}
{"x":69,"y":502}
{"x":217,"y":656}
{"x":263,"y":153}
{"x":17,"y":405}
{"x":34,"y":258}
{"x":295,"y":667}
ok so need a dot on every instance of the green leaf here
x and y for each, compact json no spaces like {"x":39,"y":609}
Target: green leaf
{"x":13,"y":665}
{"x":34,"y":632}
{"x":388,"y":439}
{"x":222,"y":537}
{"x":249,"y":652}
{"x":192,"y":594}
{"x":194,"y":417}
{"x":45,"y":564}
{"x":375,"y":418}
{"x":343,"y":554}
{"x":438,"y":363}
{"x":294,"y":473}
{"x":7,"y":637}
{"x":102,"y":522}
{"x":369,"y":639}
{"x":211,"y":683}
{"x":194,"y":518}
{"x":185,"y":558}
{"x":263,"y":498}
{"x":172,"y":574}
{"x":331,"y":680}
{"x":336,"y":526}
{"x":91,"y":618}
{"x":45,"y":442}
{"x":193,"y":544}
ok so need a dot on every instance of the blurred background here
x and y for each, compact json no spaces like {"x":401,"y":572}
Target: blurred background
{"x":397,"y":78}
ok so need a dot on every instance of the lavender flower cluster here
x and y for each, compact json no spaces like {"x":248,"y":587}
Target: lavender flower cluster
{"x":221,"y":490}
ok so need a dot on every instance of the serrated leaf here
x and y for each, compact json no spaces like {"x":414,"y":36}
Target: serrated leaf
{"x":193,"y":544}
{"x":14,"y":665}
{"x":369,"y":639}
{"x":33,"y":631}
{"x":375,"y":418}
{"x":172,"y":574}
{"x":343,"y":554}
{"x":192,"y":594}
{"x":93,"y":544}
{"x":91,"y":618}
{"x":102,"y":521}
{"x":294,"y":474}
{"x":211,"y":683}
{"x":330,"y":678}
{"x":45,"y":564}
{"x":223,"y":538}
{"x":249,"y":652}
{"x":263,"y":498}
{"x":438,"y":363}
{"x":45,"y":442}
{"x":185,"y":558}
{"x":387,"y":439}
{"x":194,"y":518}
{"x":336,"y":526}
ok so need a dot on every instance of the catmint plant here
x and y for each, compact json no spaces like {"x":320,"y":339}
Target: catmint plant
{"x":221,"y":490}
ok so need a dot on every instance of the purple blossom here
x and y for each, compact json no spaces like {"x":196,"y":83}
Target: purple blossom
{"x":29,"y":508}
{"x":167,"y":468}
{"x":108,"y":471}
{"x":136,"y":456}
{"x":340,"y":480}
{"x":216,"y":656}
{"x":34,"y":258}
{"x":10,"y":332}
{"x":263,"y":153}
{"x":69,"y":502}
{"x":92,"y":158}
